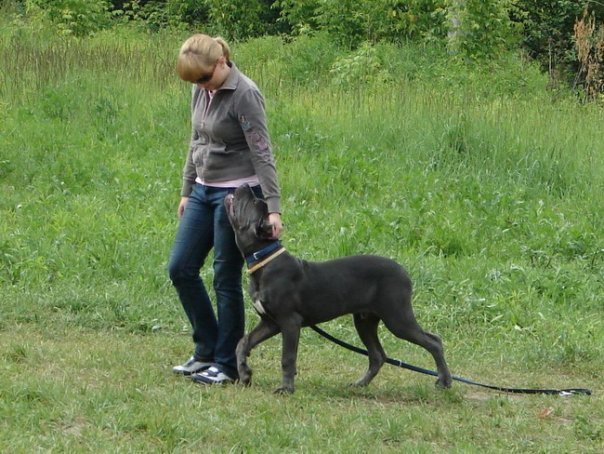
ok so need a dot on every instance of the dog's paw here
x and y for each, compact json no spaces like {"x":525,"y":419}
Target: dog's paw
{"x":284,"y":390}
{"x":245,"y":374}
{"x":444,"y":383}
{"x":245,"y":378}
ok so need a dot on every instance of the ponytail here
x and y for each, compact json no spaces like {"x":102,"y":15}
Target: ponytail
{"x":226,"y":50}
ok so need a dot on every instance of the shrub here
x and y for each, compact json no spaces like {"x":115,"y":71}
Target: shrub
{"x":242,"y":19}
{"x":354,"y":23}
{"x":157,"y":15}
{"x":480,"y":29}
{"x":548,"y":28}
{"x":362,"y":65}
{"x":71,"y":17}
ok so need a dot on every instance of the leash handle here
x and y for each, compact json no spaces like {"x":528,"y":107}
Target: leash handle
{"x":396,"y":362}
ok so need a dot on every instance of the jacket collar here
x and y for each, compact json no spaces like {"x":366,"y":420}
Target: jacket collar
{"x":232,"y":80}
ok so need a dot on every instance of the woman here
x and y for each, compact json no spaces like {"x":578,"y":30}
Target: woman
{"x":230,"y":146}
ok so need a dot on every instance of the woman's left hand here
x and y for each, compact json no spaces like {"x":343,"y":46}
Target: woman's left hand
{"x":275,"y":220}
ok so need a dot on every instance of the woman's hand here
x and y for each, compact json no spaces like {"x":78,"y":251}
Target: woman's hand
{"x":181,"y":206}
{"x":275,"y":220}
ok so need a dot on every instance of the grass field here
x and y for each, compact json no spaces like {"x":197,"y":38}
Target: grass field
{"x":484,"y":184}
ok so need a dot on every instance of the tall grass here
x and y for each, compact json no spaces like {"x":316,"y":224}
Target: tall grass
{"x":484,"y":184}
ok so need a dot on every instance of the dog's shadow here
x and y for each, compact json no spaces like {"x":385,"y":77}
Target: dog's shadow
{"x":382,"y":393}
{"x":413,"y":393}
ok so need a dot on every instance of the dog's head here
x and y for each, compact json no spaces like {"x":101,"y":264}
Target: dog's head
{"x":248,"y":216}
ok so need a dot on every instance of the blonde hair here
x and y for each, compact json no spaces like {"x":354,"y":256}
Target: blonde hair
{"x":199,"y":54}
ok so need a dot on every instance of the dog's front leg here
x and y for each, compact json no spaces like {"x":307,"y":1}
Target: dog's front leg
{"x":290,"y":332}
{"x":263,"y":330}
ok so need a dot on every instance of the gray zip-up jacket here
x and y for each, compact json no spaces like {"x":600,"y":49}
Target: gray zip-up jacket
{"x":230,"y":138}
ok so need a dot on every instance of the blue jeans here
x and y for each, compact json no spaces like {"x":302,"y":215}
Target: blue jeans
{"x":203,"y":226}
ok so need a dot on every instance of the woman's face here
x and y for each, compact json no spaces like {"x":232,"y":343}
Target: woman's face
{"x":206,"y":79}
{"x":214,"y":79}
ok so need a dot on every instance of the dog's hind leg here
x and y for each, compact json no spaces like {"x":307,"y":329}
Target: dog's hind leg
{"x":367,"y":325}
{"x":263,"y":331}
{"x":407,"y":328}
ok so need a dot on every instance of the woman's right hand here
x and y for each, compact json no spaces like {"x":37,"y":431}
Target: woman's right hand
{"x":181,"y":206}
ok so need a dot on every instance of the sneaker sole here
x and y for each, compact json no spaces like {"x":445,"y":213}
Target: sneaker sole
{"x":187,"y":373}
{"x":207,"y":381}
{"x":211,"y":383}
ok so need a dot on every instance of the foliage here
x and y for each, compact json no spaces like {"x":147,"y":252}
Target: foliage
{"x":481,"y":29}
{"x":472,"y":29}
{"x":153,"y":14}
{"x":352,"y":22}
{"x":242,"y":19}
{"x":360,"y":67}
{"x":71,"y":17}
{"x":156,"y":14}
{"x":299,"y":15}
{"x":548,"y":32}
{"x":191,"y":12}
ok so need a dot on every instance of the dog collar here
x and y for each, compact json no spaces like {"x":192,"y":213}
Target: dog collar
{"x":266,"y":257}
{"x":262,"y":253}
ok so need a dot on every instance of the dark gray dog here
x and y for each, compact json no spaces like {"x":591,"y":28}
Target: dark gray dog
{"x":289,"y":293}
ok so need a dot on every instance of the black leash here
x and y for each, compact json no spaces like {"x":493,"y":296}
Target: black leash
{"x":396,"y":362}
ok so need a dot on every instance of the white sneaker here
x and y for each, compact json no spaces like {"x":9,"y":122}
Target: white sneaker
{"x":190,"y":367}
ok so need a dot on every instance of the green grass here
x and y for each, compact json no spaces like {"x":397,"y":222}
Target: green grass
{"x":87,"y":390}
{"x":486,"y":186}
